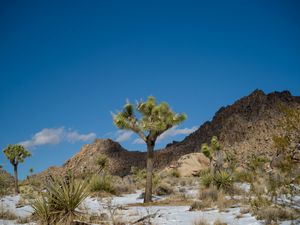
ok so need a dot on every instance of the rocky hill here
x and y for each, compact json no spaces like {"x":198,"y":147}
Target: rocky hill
{"x":247,"y":126}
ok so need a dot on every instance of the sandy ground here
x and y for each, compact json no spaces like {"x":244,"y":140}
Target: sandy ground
{"x":166,"y":215}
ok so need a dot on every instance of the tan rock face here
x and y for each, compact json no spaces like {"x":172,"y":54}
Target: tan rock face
{"x":192,"y":164}
{"x":244,"y":128}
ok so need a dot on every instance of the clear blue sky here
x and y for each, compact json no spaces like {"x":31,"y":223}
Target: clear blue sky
{"x":65,"y":65}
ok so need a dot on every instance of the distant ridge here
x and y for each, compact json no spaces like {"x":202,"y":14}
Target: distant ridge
{"x":245,"y":127}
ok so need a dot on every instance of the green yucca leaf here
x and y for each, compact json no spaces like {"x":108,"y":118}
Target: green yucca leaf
{"x":59,"y":203}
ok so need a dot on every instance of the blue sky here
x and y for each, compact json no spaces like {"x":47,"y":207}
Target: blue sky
{"x":65,"y":65}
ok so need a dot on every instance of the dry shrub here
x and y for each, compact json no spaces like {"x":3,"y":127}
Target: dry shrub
{"x":22,"y":220}
{"x":272,"y":214}
{"x":200,"y":221}
{"x":124,"y":186}
{"x":245,"y":210}
{"x":7,"y":215}
{"x":102,"y":183}
{"x":210,"y":193}
{"x":243,"y":176}
{"x":163,"y":189}
{"x":201,"y":205}
{"x":259,"y":202}
{"x":219,"y":222}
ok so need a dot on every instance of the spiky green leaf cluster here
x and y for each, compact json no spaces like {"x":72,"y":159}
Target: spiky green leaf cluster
{"x":155,"y":118}
{"x":208,"y":150}
{"x":59,"y":203}
{"x":16,"y":153}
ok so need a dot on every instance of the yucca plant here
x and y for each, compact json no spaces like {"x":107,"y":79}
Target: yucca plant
{"x":59,"y":203}
{"x":223,"y":180}
{"x":206,"y":180}
{"x":42,"y":210}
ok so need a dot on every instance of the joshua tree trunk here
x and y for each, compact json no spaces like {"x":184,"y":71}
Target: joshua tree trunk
{"x":16,"y":179}
{"x":212,"y":167}
{"x":219,"y":160}
{"x":148,"y":189}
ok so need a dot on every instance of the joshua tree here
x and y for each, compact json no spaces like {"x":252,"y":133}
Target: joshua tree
{"x":214,"y":154}
{"x":155,"y":119}
{"x":102,"y":162}
{"x":31,"y":171}
{"x":16,"y":154}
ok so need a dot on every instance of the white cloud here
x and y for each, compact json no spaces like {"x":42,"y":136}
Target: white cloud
{"x":55,"y":136}
{"x":123,"y":135}
{"x":75,"y":136}
{"x":174,"y":131}
{"x":138,"y":141}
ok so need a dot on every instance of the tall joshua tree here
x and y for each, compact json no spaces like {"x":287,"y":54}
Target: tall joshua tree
{"x":154,"y":120}
{"x":16,"y":154}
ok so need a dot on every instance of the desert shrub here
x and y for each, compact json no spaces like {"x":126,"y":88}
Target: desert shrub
{"x":200,"y":221}
{"x":3,"y":186}
{"x":58,"y":204}
{"x":209,"y":193}
{"x":23,"y":220}
{"x":163,"y":189}
{"x":245,"y":210}
{"x":256,"y":163}
{"x":6,"y":214}
{"x":138,"y":174}
{"x":123,"y":188}
{"x":201,"y":205}
{"x":243,"y":176}
{"x":272,"y":214}
{"x":219,"y":222}
{"x":259,"y":202}
{"x":102,"y":183}
{"x":34,"y":182}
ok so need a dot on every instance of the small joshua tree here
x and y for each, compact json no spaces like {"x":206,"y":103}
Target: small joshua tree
{"x":214,"y":154}
{"x":16,"y":154}
{"x":102,"y":163}
{"x":155,"y":119}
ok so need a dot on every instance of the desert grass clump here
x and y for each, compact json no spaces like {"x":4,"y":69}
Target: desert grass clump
{"x":4,"y":185}
{"x":163,"y":189}
{"x":201,"y":205}
{"x":272,"y":214}
{"x":123,"y":186}
{"x":243,"y":176}
{"x":7,"y":215}
{"x":59,"y":203}
{"x":209,"y":193}
{"x":219,"y":222}
{"x":259,"y":202}
{"x":102,"y":183}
